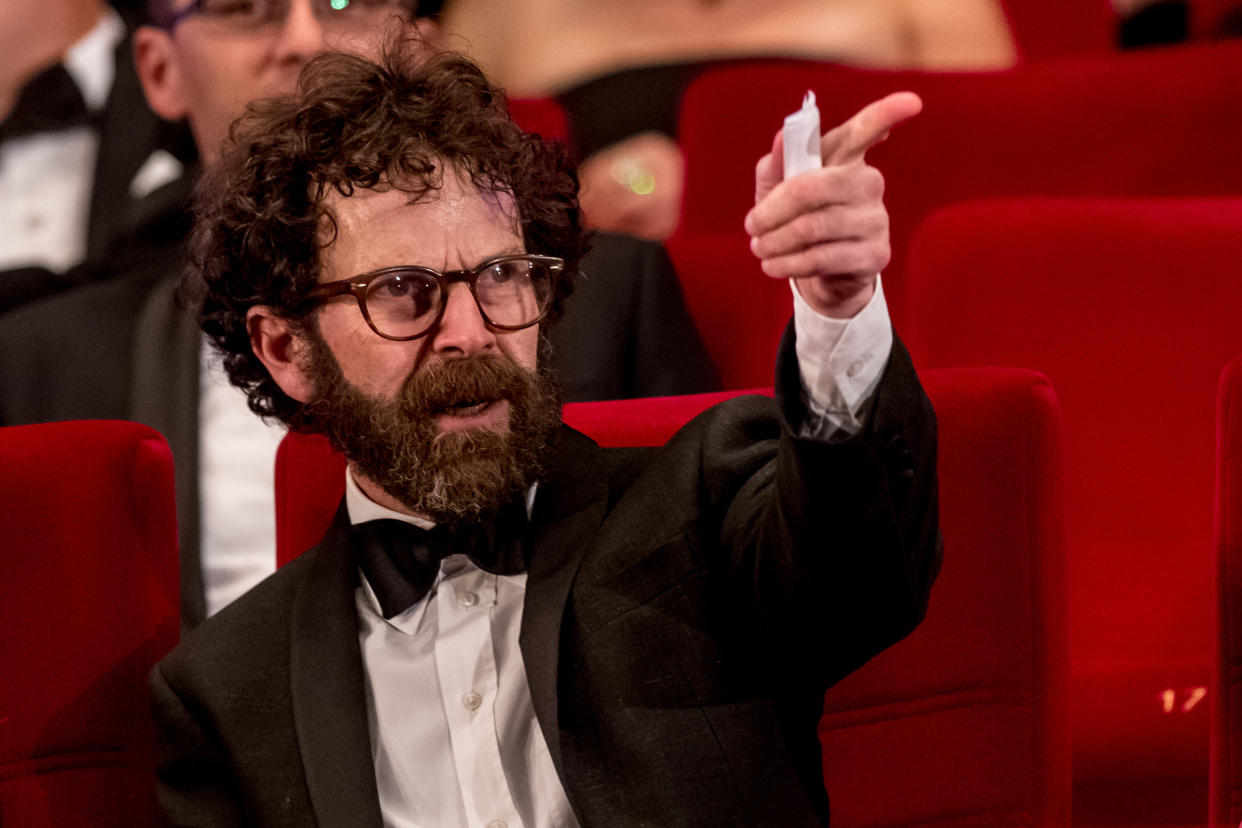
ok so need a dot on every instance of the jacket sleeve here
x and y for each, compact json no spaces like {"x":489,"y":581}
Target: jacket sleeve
{"x":840,"y":540}
{"x":194,"y":784}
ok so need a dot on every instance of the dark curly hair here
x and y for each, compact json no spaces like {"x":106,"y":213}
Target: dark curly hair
{"x":357,"y":123}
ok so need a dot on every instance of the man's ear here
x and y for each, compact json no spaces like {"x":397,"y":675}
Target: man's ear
{"x":280,"y":348}
{"x":155,"y":58}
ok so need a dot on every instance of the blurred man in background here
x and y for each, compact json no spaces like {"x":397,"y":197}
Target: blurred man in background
{"x":81,"y":153}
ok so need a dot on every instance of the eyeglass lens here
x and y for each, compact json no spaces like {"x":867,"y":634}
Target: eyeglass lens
{"x":344,"y":14}
{"x":510,"y":293}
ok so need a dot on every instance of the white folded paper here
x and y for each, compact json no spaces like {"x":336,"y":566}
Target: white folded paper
{"x":802,"y":138}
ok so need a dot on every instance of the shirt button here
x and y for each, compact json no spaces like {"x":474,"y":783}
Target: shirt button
{"x":497,"y":823}
{"x":854,"y":368}
{"x":471,"y":700}
{"x":468,"y":599}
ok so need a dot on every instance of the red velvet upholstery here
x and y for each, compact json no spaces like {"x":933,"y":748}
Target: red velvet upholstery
{"x":543,"y":116}
{"x":1227,"y":682}
{"x":964,"y":723}
{"x":88,"y":604}
{"x":1129,"y":307}
{"x":1156,"y":122}
{"x":643,"y":422}
{"x":1044,"y":28}
{"x":1208,"y":16}
{"x":727,"y":292}
{"x":310,"y":482}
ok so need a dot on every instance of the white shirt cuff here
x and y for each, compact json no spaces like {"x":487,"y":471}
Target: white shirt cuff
{"x":841,"y":362}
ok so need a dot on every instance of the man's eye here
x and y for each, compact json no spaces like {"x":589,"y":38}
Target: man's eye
{"x":397,"y":287}
{"x":409,"y":293}
{"x":507,"y":271}
{"x":234,"y":8}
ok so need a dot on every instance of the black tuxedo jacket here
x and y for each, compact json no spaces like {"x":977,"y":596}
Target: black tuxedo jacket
{"x":123,"y":233}
{"x":685,"y":610}
{"x":124,"y":349}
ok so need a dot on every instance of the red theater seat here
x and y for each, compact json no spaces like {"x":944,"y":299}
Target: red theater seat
{"x":1209,"y":17}
{"x":1129,"y":307}
{"x":543,"y":116}
{"x":88,"y":604}
{"x":739,"y":312}
{"x":310,"y":482}
{"x":1156,"y":122}
{"x":1045,"y":28}
{"x":1227,"y":683}
{"x":962,"y":724}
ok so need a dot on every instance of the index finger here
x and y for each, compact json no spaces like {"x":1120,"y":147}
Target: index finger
{"x":850,"y":141}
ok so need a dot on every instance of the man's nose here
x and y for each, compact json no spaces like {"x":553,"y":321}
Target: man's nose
{"x":302,"y":35}
{"x":462,"y":330}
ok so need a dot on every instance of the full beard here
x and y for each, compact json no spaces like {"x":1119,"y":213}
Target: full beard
{"x":452,"y":477}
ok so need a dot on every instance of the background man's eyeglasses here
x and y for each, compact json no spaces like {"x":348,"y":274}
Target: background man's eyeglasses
{"x":258,"y":15}
{"x":406,"y":302}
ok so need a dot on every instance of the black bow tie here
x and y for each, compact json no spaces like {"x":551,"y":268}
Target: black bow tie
{"x":49,"y":102}
{"x":401,"y":560}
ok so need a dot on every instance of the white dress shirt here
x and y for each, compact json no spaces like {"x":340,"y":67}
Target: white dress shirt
{"x":45,"y":179}
{"x":236,"y":485}
{"x":453,"y":731}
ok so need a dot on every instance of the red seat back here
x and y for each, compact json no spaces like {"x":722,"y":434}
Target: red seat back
{"x":1047,"y":28}
{"x":1156,"y":122}
{"x":310,"y":482}
{"x":1129,"y":307}
{"x":542,"y":116}
{"x":1209,"y":17}
{"x":88,"y":604}
{"x":739,"y":312}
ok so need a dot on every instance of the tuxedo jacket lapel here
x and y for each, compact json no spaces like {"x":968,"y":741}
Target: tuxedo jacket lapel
{"x":330,"y":706}
{"x":164,"y":395}
{"x":128,"y":134}
{"x":328,"y":694}
{"x":569,"y":508}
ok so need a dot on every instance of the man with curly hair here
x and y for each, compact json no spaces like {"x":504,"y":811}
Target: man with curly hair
{"x":506,"y":624}
{"x":125,"y":349}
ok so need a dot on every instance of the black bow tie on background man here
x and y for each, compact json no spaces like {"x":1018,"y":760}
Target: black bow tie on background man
{"x":49,"y":102}
{"x":401,"y":561}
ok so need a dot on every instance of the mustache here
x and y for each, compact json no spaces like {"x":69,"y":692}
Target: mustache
{"x":461,"y":382}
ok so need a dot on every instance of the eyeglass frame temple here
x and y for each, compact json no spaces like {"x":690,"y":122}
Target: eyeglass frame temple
{"x":175,"y":18}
